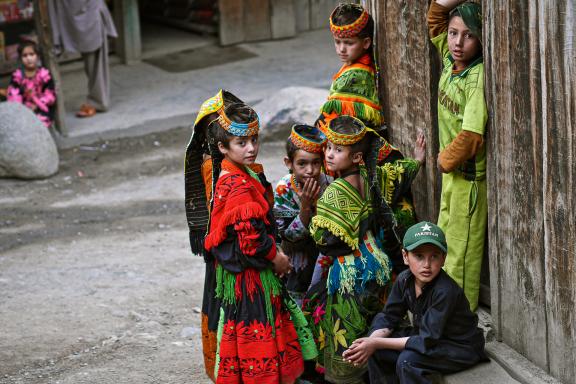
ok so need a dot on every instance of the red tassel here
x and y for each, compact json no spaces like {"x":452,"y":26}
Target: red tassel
{"x":252,"y":283}
{"x":238,"y":286}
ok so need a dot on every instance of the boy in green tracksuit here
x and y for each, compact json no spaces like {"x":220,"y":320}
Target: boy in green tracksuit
{"x":455,"y":29}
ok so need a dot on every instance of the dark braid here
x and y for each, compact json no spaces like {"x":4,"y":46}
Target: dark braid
{"x":384,"y":213}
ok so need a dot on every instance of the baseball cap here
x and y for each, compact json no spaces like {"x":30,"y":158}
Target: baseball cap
{"x":424,"y":232}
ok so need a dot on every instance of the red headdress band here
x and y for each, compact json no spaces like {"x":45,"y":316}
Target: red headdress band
{"x":349,"y":30}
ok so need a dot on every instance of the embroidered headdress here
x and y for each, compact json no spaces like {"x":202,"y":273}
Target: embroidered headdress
{"x":352,"y":29}
{"x":211,"y":105}
{"x":238,"y":129}
{"x":194,"y":188}
{"x":345,"y":138}
{"x":307,"y":138}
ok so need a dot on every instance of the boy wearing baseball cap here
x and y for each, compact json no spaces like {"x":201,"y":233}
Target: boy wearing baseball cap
{"x":444,"y":336}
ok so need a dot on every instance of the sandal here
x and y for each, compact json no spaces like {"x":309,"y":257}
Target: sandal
{"x":86,"y":110}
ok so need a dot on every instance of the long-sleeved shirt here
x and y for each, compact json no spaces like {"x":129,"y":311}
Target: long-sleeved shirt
{"x":462,"y":112}
{"x":36,"y":92}
{"x":80,"y":26}
{"x":443,"y":324}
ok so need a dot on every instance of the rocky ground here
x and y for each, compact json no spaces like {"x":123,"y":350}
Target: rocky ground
{"x":98,"y":282}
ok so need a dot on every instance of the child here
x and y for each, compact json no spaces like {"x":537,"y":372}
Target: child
{"x":353,"y":272}
{"x":445,"y":337}
{"x":353,"y":91}
{"x":198,"y":192}
{"x":32,"y":85}
{"x":295,"y":203}
{"x":462,"y":117}
{"x":262,"y":335}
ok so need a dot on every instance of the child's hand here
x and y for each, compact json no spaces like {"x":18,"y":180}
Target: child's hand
{"x":360,"y":351}
{"x":309,"y":193}
{"x":281,"y":263}
{"x":420,"y":147}
{"x":384,"y":332}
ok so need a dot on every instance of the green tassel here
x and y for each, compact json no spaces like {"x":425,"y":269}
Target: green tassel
{"x":225,"y":284}
{"x":332,"y":106}
{"x":219,"y":339}
{"x":219,"y":278}
{"x":271,"y":286}
{"x":305,"y":337}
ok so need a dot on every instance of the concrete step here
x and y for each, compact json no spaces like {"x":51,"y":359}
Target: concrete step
{"x":483,"y":373}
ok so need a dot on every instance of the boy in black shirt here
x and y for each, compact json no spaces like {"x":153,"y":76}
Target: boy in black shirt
{"x":444,"y":338}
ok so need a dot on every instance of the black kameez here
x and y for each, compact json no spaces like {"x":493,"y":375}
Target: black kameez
{"x":444,"y":337}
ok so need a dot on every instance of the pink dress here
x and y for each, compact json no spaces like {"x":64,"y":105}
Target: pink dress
{"x":36,"y":92}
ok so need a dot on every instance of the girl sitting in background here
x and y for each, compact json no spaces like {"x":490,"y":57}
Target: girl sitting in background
{"x":32,"y":85}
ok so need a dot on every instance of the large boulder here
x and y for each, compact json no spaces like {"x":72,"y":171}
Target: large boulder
{"x":289,"y":106}
{"x":27,"y":150}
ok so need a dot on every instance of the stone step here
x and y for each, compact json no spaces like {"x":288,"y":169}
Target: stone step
{"x":483,"y":373}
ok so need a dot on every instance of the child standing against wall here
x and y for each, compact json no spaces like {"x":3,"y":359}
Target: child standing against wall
{"x":354,"y":271}
{"x":353,"y":91}
{"x":456,"y":30}
{"x":262,"y":334}
{"x":295,"y":199}
{"x":32,"y":85}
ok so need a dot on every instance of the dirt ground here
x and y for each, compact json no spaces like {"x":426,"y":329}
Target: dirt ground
{"x":97,"y":281}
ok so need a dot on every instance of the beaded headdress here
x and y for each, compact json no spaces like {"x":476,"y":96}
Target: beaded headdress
{"x":215,"y":104}
{"x":211,"y":105}
{"x":238,"y":129}
{"x":307,"y":138}
{"x":345,"y":138}
{"x":352,"y":29}
{"x":197,"y":212}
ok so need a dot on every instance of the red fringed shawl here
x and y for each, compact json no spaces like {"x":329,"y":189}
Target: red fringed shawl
{"x":239,"y":198}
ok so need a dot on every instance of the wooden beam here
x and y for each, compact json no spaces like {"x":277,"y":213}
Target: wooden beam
{"x":302,"y":8}
{"x":129,"y":43}
{"x":283,"y":18}
{"x":320,"y":13}
{"x":257,"y":23}
{"x":231,"y":22}
{"x":44,"y":31}
{"x":552,"y":23}
{"x":408,"y":80}
{"x":515,"y":171}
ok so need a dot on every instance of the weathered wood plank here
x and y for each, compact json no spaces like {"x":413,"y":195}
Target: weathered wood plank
{"x":127,"y":19}
{"x":283,"y":18}
{"x":556,"y":22}
{"x":517,"y":243}
{"x":495,"y":177}
{"x":231,"y":23}
{"x":302,"y":8}
{"x":408,"y":81}
{"x":257,"y":23}
{"x":44,"y":31}
{"x":319,"y":13}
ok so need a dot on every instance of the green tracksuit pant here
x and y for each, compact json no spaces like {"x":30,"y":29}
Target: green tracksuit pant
{"x":463,"y":217}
